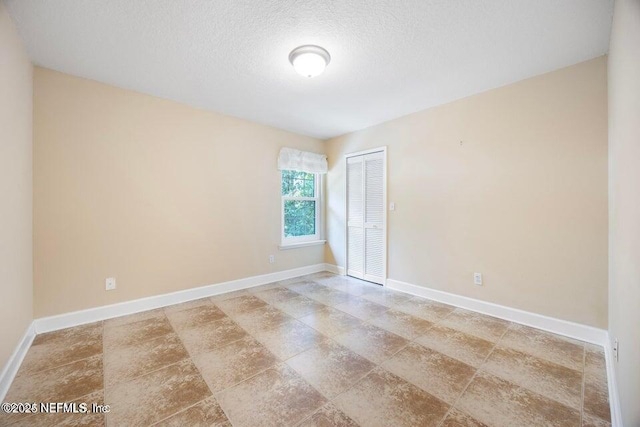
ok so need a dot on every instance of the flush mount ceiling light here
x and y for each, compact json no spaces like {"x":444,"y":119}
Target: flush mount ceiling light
{"x":309,"y":60}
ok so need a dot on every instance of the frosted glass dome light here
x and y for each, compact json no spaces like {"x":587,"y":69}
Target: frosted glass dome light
{"x":309,"y":60}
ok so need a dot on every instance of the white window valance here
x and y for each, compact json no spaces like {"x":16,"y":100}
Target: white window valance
{"x":303,"y":161}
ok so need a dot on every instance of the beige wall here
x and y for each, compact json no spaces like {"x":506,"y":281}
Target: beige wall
{"x":624,"y":202}
{"x":523,"y":200}
{"x":16,"y":279}
{"x":159,"y":195}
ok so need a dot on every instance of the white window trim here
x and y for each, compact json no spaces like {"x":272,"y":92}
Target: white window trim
{"x":301,"y":245}
{"x":310,"y":240}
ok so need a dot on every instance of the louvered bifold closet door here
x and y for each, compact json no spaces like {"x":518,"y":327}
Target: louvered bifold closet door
{"x":374,"y":205}
{"x":355,"y":217}
{"x":365,"y":217}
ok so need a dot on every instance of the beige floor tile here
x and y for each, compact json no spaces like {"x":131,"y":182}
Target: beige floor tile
{"x":596,"y":398}
{"x":401,"y":323}
{"x":376,"y":344}
{"x":276,"y":294}
{"x":328,"y":416}
{"x":299,"y":306}
{"x":545,"y":345}
{"x":306,"y":287}
{"x":336,"y":280}
{"x":132,"y":318}
{"x":195,"y":316}
{"x":126,"y":362}
{"x":205,"y":413}
{"x":229,"y":295}
{"x":383,"y":399}
{"x":434,"y":372}
{"x":332,"y":297}
{"x":133,"y":333}
{"x":311,"y":288}
{"x":187,"y":305}
{"x":240,"y":305}
{"x":70,"y":335}
{"x":288,"y":338}
{"x":466,"y":348}
{"x":362,"y":308}
{"x":330,"y":367}
{"x":496,"y":402}
{"x":59,"y":420}
{"x":385,"y":297}
{"x":61,"y":384}
{"x":58,"y":348}
{"x":155,"y":396}
{"x":295,"y":280}
{"x":275,"y":397}
{"x":553,"y":381}
{"x":226,"y":366}
{"x":353,"y":287}
{"x":479,"y":325}
{"x":455,"y":418}
{"x":257,"y":289}
{"x":209,"y":336}
{"x":591,"y":421}
{"x":260,"y":319}
{"x":331,"y":321}
{"x":318,"y":275}
{"x":595,"y":366}
{"x":425,"y":309}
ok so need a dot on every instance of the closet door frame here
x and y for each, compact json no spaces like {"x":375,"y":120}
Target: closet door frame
{"x":382,"y":149}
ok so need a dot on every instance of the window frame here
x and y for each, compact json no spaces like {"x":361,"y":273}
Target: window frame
{"x":307,"y":239}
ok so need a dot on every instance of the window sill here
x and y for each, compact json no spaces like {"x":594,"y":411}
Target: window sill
{"x":301,"y":244}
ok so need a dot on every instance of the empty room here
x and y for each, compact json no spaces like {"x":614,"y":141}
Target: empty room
{"x":320,"y":213}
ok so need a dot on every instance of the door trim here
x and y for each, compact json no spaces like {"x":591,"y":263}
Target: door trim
{"x":382,"y":149}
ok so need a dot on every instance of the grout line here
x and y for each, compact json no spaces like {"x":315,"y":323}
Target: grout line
{"x":20,"y":374}
{"x":184,"y":409}
{"x":189,"y":355}
{"x":251,"y":335}
{"x":453,"y":406}
{"x":376,"y":366}
{"x":101,"y":354}
{"x":148,"y":372}
{"x":308,"y":417}
{"x":214,"y":393}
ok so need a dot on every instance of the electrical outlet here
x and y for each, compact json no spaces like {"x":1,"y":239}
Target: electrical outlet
{"x":110,"y":284}
{"x":615,"y":350}
{"x":477,"y":279}
{"x":272,"y":259}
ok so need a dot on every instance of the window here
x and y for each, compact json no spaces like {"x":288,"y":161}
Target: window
{"x":300,"y":207}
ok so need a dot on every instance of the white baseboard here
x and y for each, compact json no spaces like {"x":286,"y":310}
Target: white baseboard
{"x":612,"y":383}
{"x":13,"y":364}
{"x":335,"y":269}
{"x":546,"y":323}
{"x":67,"y":320}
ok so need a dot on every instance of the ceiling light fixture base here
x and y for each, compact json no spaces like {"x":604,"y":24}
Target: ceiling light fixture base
{"x":309,"y":60}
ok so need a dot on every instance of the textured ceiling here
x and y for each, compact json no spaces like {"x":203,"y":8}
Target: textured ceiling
{"x":389,"y":57}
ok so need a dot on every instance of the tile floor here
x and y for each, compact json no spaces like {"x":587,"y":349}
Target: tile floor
{"x":321,"y":350}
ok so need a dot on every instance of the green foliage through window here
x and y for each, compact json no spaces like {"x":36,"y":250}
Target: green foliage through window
{"x":299,"y":198}
{"x":298,"y":184}
{"x":299,"y":218}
